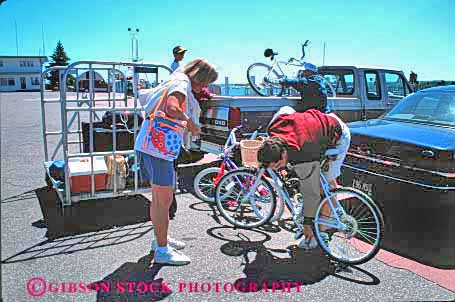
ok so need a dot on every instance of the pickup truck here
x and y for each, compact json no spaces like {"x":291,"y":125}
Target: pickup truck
{"x":361,"y":93}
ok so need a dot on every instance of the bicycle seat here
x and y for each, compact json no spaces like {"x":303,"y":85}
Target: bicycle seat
{"x":269,"y":53}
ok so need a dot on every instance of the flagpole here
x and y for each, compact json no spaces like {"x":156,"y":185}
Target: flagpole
{"x":42,"y":37}
{"x":323,"y":56}
{"x":17,"y":44}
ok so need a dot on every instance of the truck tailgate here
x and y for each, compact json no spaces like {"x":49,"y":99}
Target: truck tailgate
{"x":251,"y":112}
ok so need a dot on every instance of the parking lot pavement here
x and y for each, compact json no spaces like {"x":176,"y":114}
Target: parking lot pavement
{"x":257,"y":262}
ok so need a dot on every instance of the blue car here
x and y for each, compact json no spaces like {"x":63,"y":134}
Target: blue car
{"x":406,"y":161}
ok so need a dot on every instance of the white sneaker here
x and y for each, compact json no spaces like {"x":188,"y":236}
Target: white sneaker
{"x":172,"y":257}
{"x":176,"y":244}
{"x":308,"y":244}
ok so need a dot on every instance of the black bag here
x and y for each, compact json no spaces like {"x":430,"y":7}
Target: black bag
{"x":102,"y":138}
{"x":123,"y":119}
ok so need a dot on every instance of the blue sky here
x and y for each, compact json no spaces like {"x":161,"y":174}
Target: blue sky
{"x":406,"y":35}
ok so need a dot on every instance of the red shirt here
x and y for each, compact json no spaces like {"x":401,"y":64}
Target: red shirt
{"x":308,"y":134}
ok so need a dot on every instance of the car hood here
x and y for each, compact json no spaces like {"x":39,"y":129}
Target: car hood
{"x":410,"y":133}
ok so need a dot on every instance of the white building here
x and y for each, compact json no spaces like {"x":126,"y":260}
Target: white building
{"x":20,"y":73}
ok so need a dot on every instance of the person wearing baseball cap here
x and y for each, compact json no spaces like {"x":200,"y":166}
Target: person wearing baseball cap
{"x":314,"y":93}
{"x":179,"y":53}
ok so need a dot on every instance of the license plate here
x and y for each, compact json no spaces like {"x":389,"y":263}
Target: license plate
{"x":363,"y":186}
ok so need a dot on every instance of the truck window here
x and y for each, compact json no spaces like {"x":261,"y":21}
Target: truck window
{"x":341,"y":80}
{"x":395,"y":85}
{"x":372,"y":85}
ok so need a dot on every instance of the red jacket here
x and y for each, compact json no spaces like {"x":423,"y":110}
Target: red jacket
{"x":308,"y":134}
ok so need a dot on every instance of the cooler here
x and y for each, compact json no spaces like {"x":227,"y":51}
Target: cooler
{"x":80,"y":178}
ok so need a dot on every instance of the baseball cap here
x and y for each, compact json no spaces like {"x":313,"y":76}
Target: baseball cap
{"x":178,"y":49}
{"x":310,"y":67}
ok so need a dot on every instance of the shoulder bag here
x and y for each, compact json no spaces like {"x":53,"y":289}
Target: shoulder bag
{"x":161,"y":136}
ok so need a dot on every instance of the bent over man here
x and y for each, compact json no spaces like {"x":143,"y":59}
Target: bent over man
{"x":300,"y":138}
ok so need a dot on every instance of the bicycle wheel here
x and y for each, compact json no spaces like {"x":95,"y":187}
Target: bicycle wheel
{"x":237,"y":206}
{"x":280,"y":203}
{"x":279,"y":210}
{"x":292,"y":187}
{"x":204,"y":186}
{"x":357,"y":239}
{"x":261,"y":76}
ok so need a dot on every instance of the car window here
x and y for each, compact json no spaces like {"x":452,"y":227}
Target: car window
{"x":428,"y":107}
{"x":342,"y":81}
{"x":372,"y":85}
{"x":395,"y":85}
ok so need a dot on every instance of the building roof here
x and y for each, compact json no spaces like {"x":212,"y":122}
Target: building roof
{"x":23,"y":57}
{"x":20,"y":73}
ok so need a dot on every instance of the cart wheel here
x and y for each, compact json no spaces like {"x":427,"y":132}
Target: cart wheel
{"x":48,"y":180}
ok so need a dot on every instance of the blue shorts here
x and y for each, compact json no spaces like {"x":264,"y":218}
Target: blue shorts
{"x":155,"y":170}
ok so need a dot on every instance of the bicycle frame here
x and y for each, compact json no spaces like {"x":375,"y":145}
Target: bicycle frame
{"x":226,"y":163}
{"x":230,"y":144}
{"x":276,"y":67}
{"x":277,"y":184}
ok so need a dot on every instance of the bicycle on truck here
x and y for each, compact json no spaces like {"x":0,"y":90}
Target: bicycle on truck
{"x":269,"y":80}
{"x":352,"y":234}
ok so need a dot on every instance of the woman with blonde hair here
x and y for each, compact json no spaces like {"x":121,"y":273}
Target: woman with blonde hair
{"x":179,"y":104}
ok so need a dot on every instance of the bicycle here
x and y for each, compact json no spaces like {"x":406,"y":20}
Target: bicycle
{"x":205,"y":182}
{"x":270,"y":80}
{"x":355,"y":224}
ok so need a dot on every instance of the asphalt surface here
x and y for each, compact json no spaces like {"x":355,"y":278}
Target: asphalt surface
{"x":221,"y":256}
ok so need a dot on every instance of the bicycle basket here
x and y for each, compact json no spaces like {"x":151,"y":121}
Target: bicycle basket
{"x":249,"y":152}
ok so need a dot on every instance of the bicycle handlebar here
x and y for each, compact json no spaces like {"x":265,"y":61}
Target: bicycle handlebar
{"x":231,"y":142}
{"x":293,"y":59}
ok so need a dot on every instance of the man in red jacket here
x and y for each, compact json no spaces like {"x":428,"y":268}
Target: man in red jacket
{"x":300,"y":138}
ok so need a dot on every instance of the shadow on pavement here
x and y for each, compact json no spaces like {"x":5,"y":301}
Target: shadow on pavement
{"x":356,"y":275}
{"x":281,"y":269}
{"x":207,"y":207}
{"x":203,"y":206}
{"x":215,"y":215}
{"x":90,"y":215}
{"x":20,"y":197}
{"x":74,"y":244}
{"x":287,"y":225}
{"x":264,"y":268}
{"x":133,"y":282}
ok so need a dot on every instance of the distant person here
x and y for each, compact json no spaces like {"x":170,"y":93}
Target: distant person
{"x":312,"y":89}
{"x":413,"y":77}
{"x":179,"y":54}
{"x":413,"y":80}
{"x":314,"y":94}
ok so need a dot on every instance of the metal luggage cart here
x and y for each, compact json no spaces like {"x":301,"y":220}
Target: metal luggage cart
{"x":83,"y":104}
